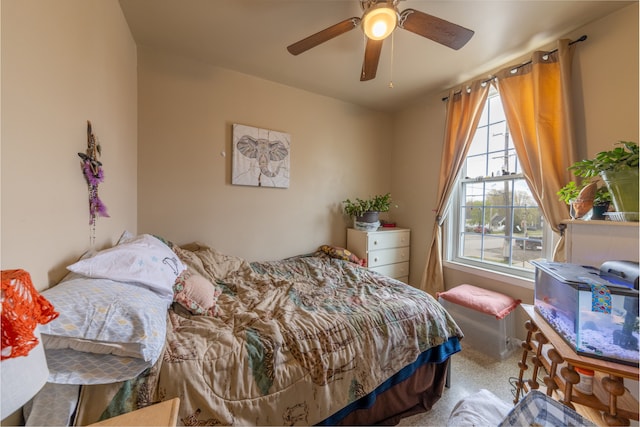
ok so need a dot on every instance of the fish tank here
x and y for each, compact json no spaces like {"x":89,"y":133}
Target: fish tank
{"x":596,"y":313}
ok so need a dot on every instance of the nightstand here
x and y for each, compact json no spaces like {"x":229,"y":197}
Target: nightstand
{"x":161,"y":414}
{"x":385,"y":250}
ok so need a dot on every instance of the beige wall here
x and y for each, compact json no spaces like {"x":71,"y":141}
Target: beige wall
{"x":165,"y":121}
{"x":186,"y":112}
{"x":64,"y":62}
{"x":606,"y":100}
{"x":61,"y":66}
{"x":53,"y":80}
{"x":418,"y":135}
{"x":606,"y":67}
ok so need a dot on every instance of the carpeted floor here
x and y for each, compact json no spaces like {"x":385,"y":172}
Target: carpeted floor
{"x":471,"y":371}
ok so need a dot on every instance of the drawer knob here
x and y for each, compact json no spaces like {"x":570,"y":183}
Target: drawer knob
{"x":375,"y":259}
{"x":375,"y":242}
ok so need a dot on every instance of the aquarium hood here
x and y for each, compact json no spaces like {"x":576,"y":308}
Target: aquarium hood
{"x":627,"y":272}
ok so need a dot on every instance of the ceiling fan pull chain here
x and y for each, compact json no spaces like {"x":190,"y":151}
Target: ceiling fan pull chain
{"x":364,"y":63}
{"x":391,"y":64}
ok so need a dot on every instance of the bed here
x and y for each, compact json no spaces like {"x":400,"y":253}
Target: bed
{"x":312,"y":339}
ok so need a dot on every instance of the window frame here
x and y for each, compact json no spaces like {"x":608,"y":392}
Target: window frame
{"x":454,"y":229}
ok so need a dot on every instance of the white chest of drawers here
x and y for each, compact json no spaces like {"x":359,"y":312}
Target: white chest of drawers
{"x":385,"y":250}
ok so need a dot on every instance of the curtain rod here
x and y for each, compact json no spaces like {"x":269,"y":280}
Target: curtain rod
{"x":581,"y":39}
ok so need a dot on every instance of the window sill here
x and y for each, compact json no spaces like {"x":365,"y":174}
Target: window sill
{"x":493,"y":275}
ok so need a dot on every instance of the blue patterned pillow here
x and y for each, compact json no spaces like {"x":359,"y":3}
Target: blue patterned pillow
{"x":106,"y":317}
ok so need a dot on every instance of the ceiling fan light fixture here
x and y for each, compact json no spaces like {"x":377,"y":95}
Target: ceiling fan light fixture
{"x":379,"y":21}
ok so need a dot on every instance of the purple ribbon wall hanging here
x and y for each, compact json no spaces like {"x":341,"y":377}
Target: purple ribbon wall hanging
{"x":92,"y":171}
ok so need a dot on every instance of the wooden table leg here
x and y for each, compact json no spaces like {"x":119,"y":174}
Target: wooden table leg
{"x":571,"y":377}
{"x":549,"y":381}
{"x":526,"y":348}
{"x":615,"y":387}
{"x":537,"y":360}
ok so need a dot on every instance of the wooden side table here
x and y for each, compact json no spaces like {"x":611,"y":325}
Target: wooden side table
{"x":161,"y":414}
{"x":610,"y":397}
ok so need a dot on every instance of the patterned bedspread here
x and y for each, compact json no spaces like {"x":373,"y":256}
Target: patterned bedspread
{"x":292,"y":341}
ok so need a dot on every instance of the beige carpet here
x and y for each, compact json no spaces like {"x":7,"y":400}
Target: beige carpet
{"x":471,"y":371}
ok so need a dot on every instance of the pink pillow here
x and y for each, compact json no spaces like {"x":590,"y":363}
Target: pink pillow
{"x":482,"y":300}
{"x":196,"y":294}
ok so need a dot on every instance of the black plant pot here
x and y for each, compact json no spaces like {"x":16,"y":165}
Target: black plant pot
{"x":598,"y":211}
{"x":369,"y":216}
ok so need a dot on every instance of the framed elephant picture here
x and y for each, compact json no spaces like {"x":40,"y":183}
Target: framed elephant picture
{"x":260,"y":157}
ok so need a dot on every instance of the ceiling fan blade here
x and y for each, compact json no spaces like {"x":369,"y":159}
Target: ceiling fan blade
{"x":436,"y":29}
{"x":323,"y":36}
{"x":371,"y":58}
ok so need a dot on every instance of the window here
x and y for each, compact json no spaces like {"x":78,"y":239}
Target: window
{"x":495,"y":223}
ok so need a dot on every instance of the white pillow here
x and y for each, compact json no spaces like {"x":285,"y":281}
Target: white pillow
{"x":143,"y":259}
{"x":125,"y":237}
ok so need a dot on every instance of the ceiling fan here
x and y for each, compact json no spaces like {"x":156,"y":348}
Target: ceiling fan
{"x":379,"y":19}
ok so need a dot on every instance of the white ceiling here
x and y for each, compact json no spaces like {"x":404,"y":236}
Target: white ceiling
{"x":251,"y":36}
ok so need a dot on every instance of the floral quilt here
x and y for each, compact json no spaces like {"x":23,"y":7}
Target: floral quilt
{"x":291,"y":342}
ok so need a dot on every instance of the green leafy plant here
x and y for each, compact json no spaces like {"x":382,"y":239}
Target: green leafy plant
{"x":620,"y":158}
{"x":569,"y":192}
{"x":618,"y":168}
{"x":602,"y":196}
{"x":379,"y":203}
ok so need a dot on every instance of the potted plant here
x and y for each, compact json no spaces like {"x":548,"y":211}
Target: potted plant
{"x":580,"y":198}
{"x":601,"y":202}
{"x":569,"y":192}
{"x":366,"y":212}
{"x":619,"y":170}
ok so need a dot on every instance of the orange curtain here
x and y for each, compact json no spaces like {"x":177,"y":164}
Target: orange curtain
{"x":464,"y":109}
{"x":537,"y":104}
